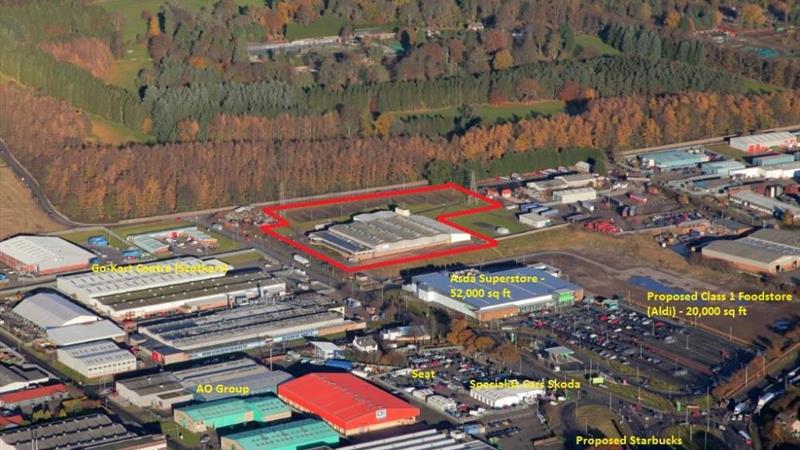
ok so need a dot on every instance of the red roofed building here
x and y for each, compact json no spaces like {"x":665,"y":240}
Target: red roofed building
{"x":347,"y":403}
{"x":35,"y":396}
{"x":10,"y":421}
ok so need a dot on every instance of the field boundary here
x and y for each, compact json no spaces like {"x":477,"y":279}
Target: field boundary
{"x":487,"y":242}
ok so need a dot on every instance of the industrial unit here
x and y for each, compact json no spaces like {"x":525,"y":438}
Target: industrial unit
{"x":159,"y":241}
{"x":772,"y":160}
{"x":764,"y":204}
{"x":43,"y":255}
{"x":780,"y":171}
{"x":427,"y":439}
{"x":766,"y":251}
{"x":568,"y":196}
{"x":74,"y":432}
{"x":31,"y":397}
{"x":534,"y":220}
{"x":166,"y":389}
{"x":47,"y":309}
{"x":494,"y":295}
{"x":296,"y":435}
{"x":234,"y":289}
{"x":503,"y":397}
{"x":86,"y":287}
{"x":674,"y":159}
{"x":85,"y":332}
{"x":347,"y":403}
{"x":251,"y":326}
{"x":200,"y":417}
{"x":14,"y":378}
{"x":721,"y":168}
{"x":97,"y":359}
{"x":384,"y":233}
{"x":577,"y":180}
{"x":757,"y":143}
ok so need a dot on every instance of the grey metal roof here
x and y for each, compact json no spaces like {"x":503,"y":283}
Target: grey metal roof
{"x":72,"y":433}
{"x":421,"y":440}
{"x":49,"y":309}
{"x":45,"y":252}
{"x":81,"y":333}
{"x":545,"y":285}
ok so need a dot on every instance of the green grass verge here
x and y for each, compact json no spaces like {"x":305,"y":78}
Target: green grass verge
{"x":81,"y":236}
{"x":595,"y":45}
{"x":648,"y":399}
{"x":242,"y":258}
{"x":139,"y":228}
{"x":597,"y":417}
{"x":727,"y":150}
{"x":492,"y":114}
{"x":177,"y":433}
{"x":324,"y":26}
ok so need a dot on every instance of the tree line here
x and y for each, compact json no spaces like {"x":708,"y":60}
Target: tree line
{"x":570,"y":80}
{"x":649,"y":43}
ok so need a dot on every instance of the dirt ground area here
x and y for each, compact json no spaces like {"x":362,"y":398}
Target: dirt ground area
{"x":18,"y":212}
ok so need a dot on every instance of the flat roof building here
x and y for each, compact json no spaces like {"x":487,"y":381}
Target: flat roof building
{"x":97,"y":359}
{"x":503,"y":397}
{"x":32,"y":396}
{"x":384,"y":233}
{"x":772,"y":160}
{"x":758,"y":143}
{"x":674,"y":159}
{"x":534,"y":220}
{"x":295,"y":435}
{"x":72,"y":433}
{"x":166,"y":389}
{"x":14,"y":378}
{"x":159,"y":241}
{"x":43,"y":255}
{"x":765,"y":251}
{"x":568,"y":196}
{"x":764,"y":204}
{"x":721,"y":168}
{"x":246,"y":327}
{"x":235,"y":288}
{"x":46,"y":310}
{"x":200,"y":417}
{"x":347,"y":403}
{"x":85,"y":287}
{"x":427,"y":439}
{"x":148,"y":442}
{"x":494,"y":294}
{"x":85,"y":332}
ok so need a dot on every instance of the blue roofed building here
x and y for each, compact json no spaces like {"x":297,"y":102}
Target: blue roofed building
{"x":490,"y":295}
{"x":674,"y":159}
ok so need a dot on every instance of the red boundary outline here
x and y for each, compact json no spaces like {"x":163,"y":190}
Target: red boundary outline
{"x":488,"y":242}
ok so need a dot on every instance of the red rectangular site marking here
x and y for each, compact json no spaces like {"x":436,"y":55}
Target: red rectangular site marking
{"x":486,"y":241}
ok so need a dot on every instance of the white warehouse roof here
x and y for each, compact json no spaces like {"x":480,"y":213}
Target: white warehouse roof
{"x":50,"y":310}
{"x":45,"y":253}
{"x":82,"y":333}
{"x":97,"y":353}
{"x":763,"y":138}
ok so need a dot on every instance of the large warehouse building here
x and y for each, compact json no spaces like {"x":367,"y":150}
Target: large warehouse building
{"x":227,"y":412}
{"x":495,"y":295}
{"x":674,"y":159}
{"x":97,"y":359}
{"x":347,"y":403}
{"x":758,"y":143}
{"x":247,"y":327}
{"x":82,"y":432}
{"x":47,"y":309}
{"x":765,"y":251}
{"x":384,"y":233}
{"x":43,"y":255}
{"x":430,"y":439}
{"x":166,"y":389}
{"x":236,"y":288}
{"x":764,"y":204}
{"x":86,"y":287}
{"x":569,"y":196}
{"x":295,"y":435}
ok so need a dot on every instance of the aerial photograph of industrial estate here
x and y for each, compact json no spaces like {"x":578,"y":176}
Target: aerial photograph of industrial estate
{"x":399,"y":224}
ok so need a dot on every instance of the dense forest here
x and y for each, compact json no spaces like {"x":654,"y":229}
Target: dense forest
{"x":396,"y":93}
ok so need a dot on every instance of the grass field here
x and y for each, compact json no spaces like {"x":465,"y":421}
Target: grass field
{"x":324,"y":26}
{"x":18,"y":211}
{"x":597,"y":417}
{"x":242,"y":258}
{"x":225,"y":243}
{"x":647,"y":399}
{"x":107,"y":132}
{"x":595,"y":45}
{"x":759,"y":87}
{"x":177,"y":433}
{"x":727,"y":150}
{"x":80,"y":236}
